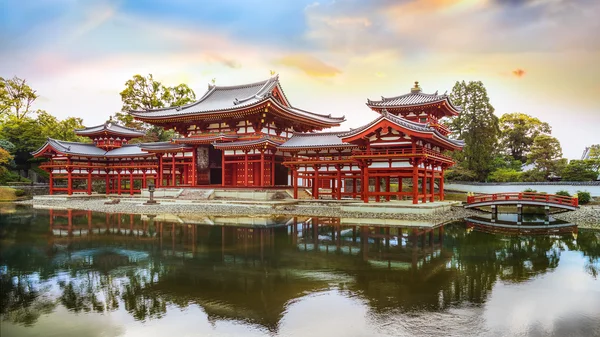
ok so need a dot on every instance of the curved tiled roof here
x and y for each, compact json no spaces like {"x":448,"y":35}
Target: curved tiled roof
{"x":315,"y":140}
{"x":226,"y":98}
{"x":242,"y":143}
{"x":90,"y":150}
{"x":419,"y":127}
{"x":413,"y":99}
{"x":110,"y":128}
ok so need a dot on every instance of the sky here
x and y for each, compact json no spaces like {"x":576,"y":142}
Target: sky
{"x":539,"y":57}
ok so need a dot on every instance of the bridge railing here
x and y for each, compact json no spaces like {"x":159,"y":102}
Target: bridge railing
{"x":524,"y":196}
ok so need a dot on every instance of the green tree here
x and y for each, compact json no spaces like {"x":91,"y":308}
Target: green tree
{"x":594,"y":156}
{"x":579,"y":170}
{"x":505,"y":175}
{"x":476,"y":125}
{"x":16,"y":97}
{"x":26,"y":134}
{"x":144,"y":93}
{"x":61,"y":129}
{"x":517,"y":132}
{"x":546,"y":153}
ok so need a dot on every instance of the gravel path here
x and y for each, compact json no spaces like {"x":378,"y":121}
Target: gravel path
{"x":456,"y":213}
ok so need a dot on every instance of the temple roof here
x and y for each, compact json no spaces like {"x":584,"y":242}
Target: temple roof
{"x":206,"y":138}
{"x":404,"y":123}
{"x":413,"y":99}
{"x":90,"y":150}
{"x":163,"y":147}
{"x":265,"y":140}
{"x":110,"y":128}
{"x":220,"y":99}
{"x":315,"y":140}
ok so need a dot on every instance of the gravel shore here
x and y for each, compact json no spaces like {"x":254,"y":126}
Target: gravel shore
{"x":585,"y":217}
{"x":331,"y":210}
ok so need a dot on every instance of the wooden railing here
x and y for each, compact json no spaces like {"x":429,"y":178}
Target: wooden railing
{"x":524,"y":196}
{"x":408,"y":152}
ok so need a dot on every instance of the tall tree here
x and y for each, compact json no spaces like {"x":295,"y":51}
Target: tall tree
{"x":517,"y":132}
{"x":16,"y":97}
{"x":594,"y":156}
{"x":60,"y":129}
{"x":142,"y":93}
{"x":579,"y":170}
{"x":26,"y":134}
{"x":476,"y":125}
{"x":546,"y":153}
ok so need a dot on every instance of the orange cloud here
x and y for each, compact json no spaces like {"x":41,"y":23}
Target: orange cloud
{"x":309,"y":64}
{"x":518,"y":72}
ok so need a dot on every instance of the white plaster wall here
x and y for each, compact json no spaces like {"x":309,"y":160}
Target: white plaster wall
{"x":504,"y":188}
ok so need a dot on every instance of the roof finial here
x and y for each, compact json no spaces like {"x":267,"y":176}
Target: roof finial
{"x":416,"y":88}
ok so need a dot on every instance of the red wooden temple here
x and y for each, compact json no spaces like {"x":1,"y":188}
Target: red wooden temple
{"x":250,"y":136}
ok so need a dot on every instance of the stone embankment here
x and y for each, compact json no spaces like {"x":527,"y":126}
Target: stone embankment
{"x":586,"y":216}
{"x":316,"y":209}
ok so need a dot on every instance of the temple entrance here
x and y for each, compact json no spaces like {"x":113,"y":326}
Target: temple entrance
{"x":281,"y":175}
{"x":209,"y":165}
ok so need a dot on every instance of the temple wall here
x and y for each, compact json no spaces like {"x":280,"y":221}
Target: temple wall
{"x":550,"y":188}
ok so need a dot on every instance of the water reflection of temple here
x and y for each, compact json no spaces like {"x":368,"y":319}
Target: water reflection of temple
{"x":250,"y":269}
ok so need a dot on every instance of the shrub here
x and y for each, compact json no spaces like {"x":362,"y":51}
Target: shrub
{"x":19,"y":193}
{"x":530,"y":190}
{"x":584,"y":197}
{"x":563,"y":193}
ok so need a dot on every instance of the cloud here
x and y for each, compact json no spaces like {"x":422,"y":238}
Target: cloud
{"x":309,"y":64}
{"x":518,"y":72}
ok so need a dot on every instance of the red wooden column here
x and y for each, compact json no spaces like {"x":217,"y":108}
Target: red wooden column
{"x":194,"y":165}
{"x":424,"y":181}
{"x":173,"y":175}
{"x":442,"y":185}
{"x":388,"y":187}
{"x":431,"y":184}
{"x":51,"y":183}
{"x":223,"y":168}
{"x":415,"y":179}
{"x":245,"y":167}
{"x":339,"y":181}
{"x":143,"y":178}
{"x":107,"y":182}
{"x":130,"y":181}
{"x":119,"y":181}
{"x":366,"y":183}
{"x":160,"y":171}
{"x":295,"y":181}
{"x":377,"y":188}
{"x":69,"y":177}
{"x":261,"y":180}
{"x":89,"y":182}
{"x":273,"y":168}
{"x":316,"y":181}
{"x":400,"y":187}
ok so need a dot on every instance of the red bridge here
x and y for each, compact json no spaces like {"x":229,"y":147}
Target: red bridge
{"x":523,"y":198}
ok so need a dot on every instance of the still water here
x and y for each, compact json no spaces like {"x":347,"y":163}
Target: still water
{"x":77,"y":273}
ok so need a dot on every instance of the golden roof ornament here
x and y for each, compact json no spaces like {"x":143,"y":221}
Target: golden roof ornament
{"x":416,"y":89}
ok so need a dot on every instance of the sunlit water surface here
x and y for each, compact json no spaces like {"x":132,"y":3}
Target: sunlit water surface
{"x":74,"y":273}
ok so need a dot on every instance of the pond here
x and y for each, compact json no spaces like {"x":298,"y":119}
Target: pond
{"x":79,"y":273}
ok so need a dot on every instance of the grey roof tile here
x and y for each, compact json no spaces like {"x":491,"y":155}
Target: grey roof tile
{"x":110,"y":128}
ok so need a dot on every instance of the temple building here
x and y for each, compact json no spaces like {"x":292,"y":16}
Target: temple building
{"x":250,"y":136}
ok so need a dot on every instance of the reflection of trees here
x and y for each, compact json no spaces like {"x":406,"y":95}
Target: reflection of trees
{"x":138,"y":302}
{"x":588,"y":242}
{"x":22,"y":299}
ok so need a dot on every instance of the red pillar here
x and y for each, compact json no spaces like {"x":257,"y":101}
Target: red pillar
{"x":173,"y":175}
{"x":261,"y":181}
{"x":431,"y":183}
{"x":69,"y":177}
{"x":388,"y":187}
{"x":130,"y":182}
{"x":160,"y":171}
{"x":442,"y":185}
{"x":424,"y":181}
{"x":377,"y":188}
{"x":273,"y":169}
{"x":316,"y":182}
{"x":119,"y":181}
{"x":295,"y":181}
{"x":51,"y":183}
{"x":339,"y":182}
{"x":89,"y":182}
{"x":366,"y":184}
{"x":223,"y":168}
{"x":245,"y":168}
{"x":194,"y":165}
{"x":415,"y":179}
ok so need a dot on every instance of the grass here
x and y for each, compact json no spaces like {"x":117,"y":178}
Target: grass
{"x":7,"y":194}
{"x":455,"y":196}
